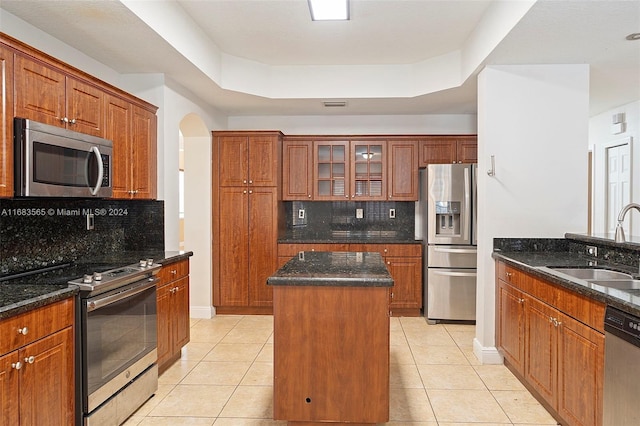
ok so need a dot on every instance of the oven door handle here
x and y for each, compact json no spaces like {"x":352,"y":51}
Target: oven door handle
{"x":100,"y":302}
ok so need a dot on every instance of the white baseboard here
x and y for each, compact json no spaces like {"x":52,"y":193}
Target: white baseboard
{"x":486,"y":355}
{"x":203,"y":312}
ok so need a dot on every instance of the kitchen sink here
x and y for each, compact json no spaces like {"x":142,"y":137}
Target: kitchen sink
{"x":618,"y":284}
{"x":594,"y":274}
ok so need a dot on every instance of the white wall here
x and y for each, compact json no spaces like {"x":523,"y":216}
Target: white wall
{"x":534,"y":119}
{"x":359,"y":124}
{"x":600,"y":136}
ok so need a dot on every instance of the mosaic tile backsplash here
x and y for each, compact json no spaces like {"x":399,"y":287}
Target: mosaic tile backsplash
{"x":36,"y":233}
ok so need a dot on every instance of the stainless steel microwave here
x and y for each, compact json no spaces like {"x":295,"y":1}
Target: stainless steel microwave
{"x":54,"y":162}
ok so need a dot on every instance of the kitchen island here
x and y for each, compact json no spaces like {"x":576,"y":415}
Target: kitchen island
{"x":331,"y":339}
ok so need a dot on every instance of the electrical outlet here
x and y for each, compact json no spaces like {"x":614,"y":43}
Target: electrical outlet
{"x":301,"y":214}
{"x":592,"y":250}
{"x":90,"y":222}
{"x":359,"y":213}
{"x":392,"y":213}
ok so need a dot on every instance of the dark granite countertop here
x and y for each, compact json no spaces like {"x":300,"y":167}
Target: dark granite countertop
{"x":538,"y":264}
{"x":22,"y":294}
{"x":347,"y":237}
{"x":351,"y":269}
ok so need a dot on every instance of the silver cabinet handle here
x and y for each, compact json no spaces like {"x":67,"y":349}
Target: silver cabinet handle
{"x":30,"y":360}
{"x":23,"y":331}
{"x":250,"y":182}
{"x":16,"y":365}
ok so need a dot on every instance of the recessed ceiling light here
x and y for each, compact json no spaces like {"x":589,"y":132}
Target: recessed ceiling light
{"x":633,"y":36}
{"x":329,"y":10}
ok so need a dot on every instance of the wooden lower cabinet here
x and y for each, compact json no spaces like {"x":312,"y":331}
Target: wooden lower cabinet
{"x":331,"y":355}
{"x":558,"y":357}
{"x":404,"y":262}
{"x":37,"y":378}
{"x":173,"y":312}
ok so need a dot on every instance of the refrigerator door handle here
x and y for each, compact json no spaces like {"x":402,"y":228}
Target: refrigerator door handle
{"x":456,"y":250}
{"x":467,"y":205}
{"x":454,"y":273}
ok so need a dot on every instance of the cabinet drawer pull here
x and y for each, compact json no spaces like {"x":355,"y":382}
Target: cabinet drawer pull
{"x":16,"y":365}
{"x":174,"y":271}
{"x":30,"y":360}
{"x":23,"y":331}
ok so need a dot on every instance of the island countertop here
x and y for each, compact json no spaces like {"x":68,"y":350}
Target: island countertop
{"x":350,"y":269}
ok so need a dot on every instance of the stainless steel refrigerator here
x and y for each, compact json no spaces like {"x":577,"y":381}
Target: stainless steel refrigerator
{"x":446,"y":222}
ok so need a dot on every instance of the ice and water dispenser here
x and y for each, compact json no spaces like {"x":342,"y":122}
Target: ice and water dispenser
{"x":447,"y":218}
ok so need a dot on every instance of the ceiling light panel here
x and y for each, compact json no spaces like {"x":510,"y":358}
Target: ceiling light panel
{"x":329,"y":10}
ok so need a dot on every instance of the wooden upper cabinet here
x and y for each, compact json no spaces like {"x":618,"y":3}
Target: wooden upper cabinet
{"x":368,"y":170}
{"x":118,"y":130}
{"x":6,"y":122}
{"x":331,"y":170}
{"x":49,"y":96}
{"x":402,"y":171}
{"x":297,"y":170}
{"x":448,"y":150}
{"x":249,"y":159}
{"x":143,"y":154}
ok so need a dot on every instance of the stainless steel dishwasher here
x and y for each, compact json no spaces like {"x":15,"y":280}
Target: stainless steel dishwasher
{"x":621,"y":369}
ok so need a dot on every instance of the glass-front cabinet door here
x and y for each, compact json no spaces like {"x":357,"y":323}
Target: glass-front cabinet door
{"x":369,"y":169}
{"x":331,"y":171}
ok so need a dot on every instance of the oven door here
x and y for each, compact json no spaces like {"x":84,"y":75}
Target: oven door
{"x":119,"y":339}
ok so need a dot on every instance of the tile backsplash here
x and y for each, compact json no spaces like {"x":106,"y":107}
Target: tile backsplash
{"x":36,"y":233}
{"x":326,"y":217}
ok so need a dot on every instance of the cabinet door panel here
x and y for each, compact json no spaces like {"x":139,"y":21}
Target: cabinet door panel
{"x":437,"y":151}
{"x":511,"y":325}
{"x":118,"y":130}
{"x":233,"y":152}
{"x":407,"y":281}
{"x":263,"y":244}
{"x":541,"y":349}
{"x":85,"y":108}
{"x":143,"y":154}
{"x":234,"y":248}
{"x":467,"y":150}
{"x":403,"y":171}
{"x":263,"y":160}
{"x":164,"y":323}
{"x":40,"y":92}
{"x":6,"y":122}
{"x":47,"y":385}
{"x":181,"y":313}
{"x":297,"y":170}
{"x":580,"y":373}
{"x":9,"y":390}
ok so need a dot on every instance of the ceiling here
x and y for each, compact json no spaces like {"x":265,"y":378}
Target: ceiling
{"x":266,"y":57}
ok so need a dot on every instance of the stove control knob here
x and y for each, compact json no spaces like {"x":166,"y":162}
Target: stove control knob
{"x":97,"y":276}
{"x":87,"y":279}
{"x":149,"y":262}
{"x":143,"y":263}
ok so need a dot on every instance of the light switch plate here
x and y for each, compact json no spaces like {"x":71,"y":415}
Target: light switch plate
{"x":359,"y":213}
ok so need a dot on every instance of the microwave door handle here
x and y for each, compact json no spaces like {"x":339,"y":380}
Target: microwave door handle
{"x":96,"y":152}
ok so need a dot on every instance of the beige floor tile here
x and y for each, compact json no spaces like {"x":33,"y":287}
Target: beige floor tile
{"x":409,"y":405}
{"x":400,"y":354}
{"x":466,"y":406}
{"x":217,"y":373}
{"x":498,"y":377}
{"x":415,"y":322}
{"x":438,"y":355}
{"x":196,"y":351}
{"x":133,"y":420}
{"x":174,"y":421}
{"x":247,"y":335}
{"x":250,"y":402}
{"x":225,"y":320}
{"x":404,"y":376}
{"x":450,"y":377}
{"x":470,"y":355}
{"x":208,"y":334}
{"x":413,"y":424}
{"x":463,"y":338}
{"x":522,"y":407}
{"x":151,"y":403}
{"x":222,"y":421}
{"x":429,"y":337}
{"x":266,"y":354}
{"x":194,"y":321}
{"x":398,"y":338}
{"x":259,"y":374}
{"x":256,"y":321}
{"x":174,"y":374}
{"x":193,"y":401}
{"x":234,"y":352}
{"x":460,"y":327}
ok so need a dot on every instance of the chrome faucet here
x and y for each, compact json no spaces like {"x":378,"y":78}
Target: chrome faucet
{"x":619,"y":231}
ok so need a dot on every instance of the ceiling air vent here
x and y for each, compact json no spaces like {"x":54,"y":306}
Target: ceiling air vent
{"x":332,"y":104}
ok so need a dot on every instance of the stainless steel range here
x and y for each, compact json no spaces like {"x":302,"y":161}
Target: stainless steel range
{"x":117,"y":342}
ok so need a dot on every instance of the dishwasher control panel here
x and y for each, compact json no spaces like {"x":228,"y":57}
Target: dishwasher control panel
{"x":622,"y":321}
